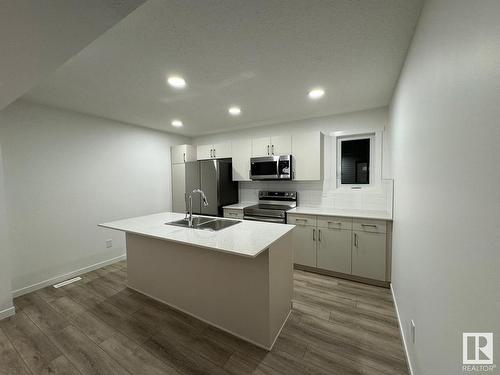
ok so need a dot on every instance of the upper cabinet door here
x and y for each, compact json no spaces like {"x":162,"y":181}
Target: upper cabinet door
{"x":281,"y":145}
{"x":261,"y":147}
{"x":178,"y":154}
{"x":241,"y":159}
{"x":222,"y":150}
{"x":307,"y":151}
{"x":190,"y":154}
{"x":204,"y":152}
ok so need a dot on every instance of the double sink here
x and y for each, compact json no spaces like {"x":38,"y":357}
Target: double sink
{"x":205,"y":223}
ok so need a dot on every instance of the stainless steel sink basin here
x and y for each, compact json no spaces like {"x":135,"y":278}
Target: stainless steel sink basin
{"x":205,"y":223}
{"x":218,"y":224}
{"x":184,"y":222}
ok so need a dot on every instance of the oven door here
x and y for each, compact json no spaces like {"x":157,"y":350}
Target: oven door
{"x":264,"y":168}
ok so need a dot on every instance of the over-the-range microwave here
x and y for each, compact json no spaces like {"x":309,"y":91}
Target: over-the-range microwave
{"x":277,"y":167}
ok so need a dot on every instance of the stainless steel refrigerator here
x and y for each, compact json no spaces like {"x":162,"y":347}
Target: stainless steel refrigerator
{"x":215,"y":178}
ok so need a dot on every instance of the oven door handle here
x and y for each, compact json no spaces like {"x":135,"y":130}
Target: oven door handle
{"x":263,"y":218}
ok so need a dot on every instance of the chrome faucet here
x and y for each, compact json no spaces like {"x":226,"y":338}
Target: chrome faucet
{"x":190,"y":212}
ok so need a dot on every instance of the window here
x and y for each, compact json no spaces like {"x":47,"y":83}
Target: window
{"x":354,"y":156}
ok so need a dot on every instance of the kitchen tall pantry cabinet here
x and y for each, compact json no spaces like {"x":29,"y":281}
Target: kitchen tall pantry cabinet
{"x":180,"y":155}
{"x":343,"y":246}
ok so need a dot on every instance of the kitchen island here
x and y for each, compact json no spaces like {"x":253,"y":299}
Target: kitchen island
{"x":238,"y":279}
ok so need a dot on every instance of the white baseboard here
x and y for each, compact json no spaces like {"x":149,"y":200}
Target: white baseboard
{"x":7,"y":312}
{"x":410,"y":369}
{"x":69,"y":275}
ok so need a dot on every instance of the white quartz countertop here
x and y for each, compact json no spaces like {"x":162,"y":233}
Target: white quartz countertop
{"x":240,"y":206}
{"x":248,"y":238}
{"x":363,"y":214}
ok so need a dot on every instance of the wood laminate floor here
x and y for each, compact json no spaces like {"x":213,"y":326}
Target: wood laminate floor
{"x":98,"y":326}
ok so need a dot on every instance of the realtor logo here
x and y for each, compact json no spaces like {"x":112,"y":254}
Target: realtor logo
{"x":477,"y":348}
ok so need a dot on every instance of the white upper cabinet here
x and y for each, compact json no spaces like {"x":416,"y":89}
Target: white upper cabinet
{"x":214,"y":151}
{"x":241,"y":159}
{"x":222,"y":150}
{"x":261,"y":147}
{"x":268,"y":146}
{"x":281,"y":145}
{"x":182,"y":154}
{"x":307,"y":152}
{"x":204,"y":152}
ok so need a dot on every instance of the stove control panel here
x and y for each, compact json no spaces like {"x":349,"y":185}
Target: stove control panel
{"x":278,"y":195}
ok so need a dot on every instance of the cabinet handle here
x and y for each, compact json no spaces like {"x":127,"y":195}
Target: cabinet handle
{"x":303,"y":220}
{"x":319,"y":235}
{"x":355,"y":239}
{"x":314,"y":234}
{"x":268,"y":149}
{"x":272,"y":148}
{"x":214,"y":153}
{"x":184,"y":156}
{"x":211,"y":153}
{"x":369,"y":225}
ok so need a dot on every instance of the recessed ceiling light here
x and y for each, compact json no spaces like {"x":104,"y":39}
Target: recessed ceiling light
{"x":316,"y":93}
{"x":176,"y":81}
{"x":177,"y":123}
{"x":234,"y":111}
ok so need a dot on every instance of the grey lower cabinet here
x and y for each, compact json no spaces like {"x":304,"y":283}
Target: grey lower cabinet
{"x":233,"y":213}
{"x":369,"y":255}
{"x":304,"y":242}
{"x":334,"y":250}
{"x":350,"y":246}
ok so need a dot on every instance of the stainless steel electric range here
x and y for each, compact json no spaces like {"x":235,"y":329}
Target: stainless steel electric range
{"x":272,"y":206}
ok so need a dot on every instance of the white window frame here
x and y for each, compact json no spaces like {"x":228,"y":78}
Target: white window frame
{"x":375,"y":178}
{"x":369,"y":136}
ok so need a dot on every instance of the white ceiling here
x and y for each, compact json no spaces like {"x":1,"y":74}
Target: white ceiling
{"x":263,"y":55}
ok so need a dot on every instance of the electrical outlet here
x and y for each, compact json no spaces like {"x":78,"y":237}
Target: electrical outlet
{"x":412,"y":331}
{"x":109,"y":243}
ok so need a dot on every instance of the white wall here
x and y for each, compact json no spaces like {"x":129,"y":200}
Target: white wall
{"x":314,"y":193}
{"x":5,"y":285}
{"x":65,"y":173}
{"x":446,"y":157}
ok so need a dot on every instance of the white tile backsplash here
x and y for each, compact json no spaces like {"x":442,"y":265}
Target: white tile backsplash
{"x":377,"y":198}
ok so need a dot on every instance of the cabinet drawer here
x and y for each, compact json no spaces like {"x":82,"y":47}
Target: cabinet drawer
{"x":306,"y":220}
{"x":333,"y":222}
{"x":370,"y":225}
{"x":233,"y":214}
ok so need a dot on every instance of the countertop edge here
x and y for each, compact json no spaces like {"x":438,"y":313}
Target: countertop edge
{"x":361,"y":215}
